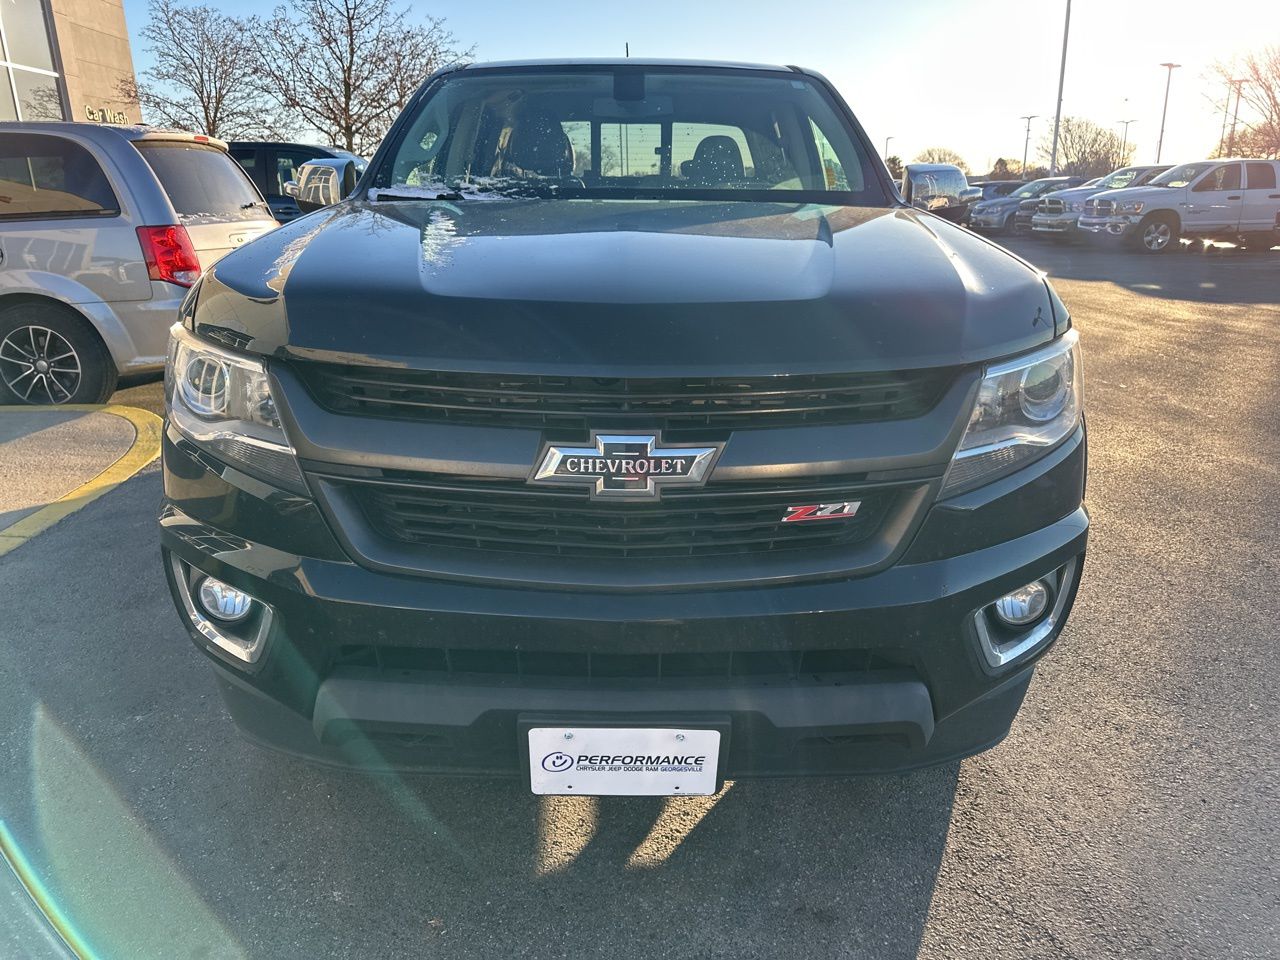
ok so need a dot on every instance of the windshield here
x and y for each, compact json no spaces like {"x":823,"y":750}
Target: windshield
{"x":1119,"y":179}
{"x":1033,"y":189}
{"x":1181,"y":175}
{"x":623,"y":133}
{"x":203,"y":183}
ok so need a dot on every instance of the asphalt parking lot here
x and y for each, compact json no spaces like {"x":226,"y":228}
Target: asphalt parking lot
{"x":1134,"y":811}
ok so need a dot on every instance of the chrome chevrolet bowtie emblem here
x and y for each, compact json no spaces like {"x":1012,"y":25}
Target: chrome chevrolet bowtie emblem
{"x":626,"y":465}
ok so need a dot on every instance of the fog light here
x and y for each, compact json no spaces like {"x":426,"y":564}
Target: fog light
{"x":224,"y":601}
{"x":1022,"y":606}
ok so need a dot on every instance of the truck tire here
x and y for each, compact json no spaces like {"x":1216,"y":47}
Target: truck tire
{"x":1157,"y":233}
{"x":50,"y":355}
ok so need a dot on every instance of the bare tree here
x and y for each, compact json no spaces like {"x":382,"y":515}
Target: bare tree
{"x":941,"y":155}
{"x":1257,"y":131}
{"x":1086,"y":149}
{"x":203,"y":77}
{"x":894,"y":163}
{"x":347,"y":67}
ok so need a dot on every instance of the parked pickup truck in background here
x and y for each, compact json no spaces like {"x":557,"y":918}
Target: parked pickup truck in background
{"x":1236,"y":201}
{"x":1057,"y":212}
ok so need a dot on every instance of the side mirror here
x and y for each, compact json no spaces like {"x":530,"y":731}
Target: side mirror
{"x":936,"y":187}
{"x":291,"y":189}
{"x":322,"y":183}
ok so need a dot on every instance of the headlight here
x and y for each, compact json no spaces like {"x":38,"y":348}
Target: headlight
{"x":1130,"y":206}
{"x":1025,"y":407}
{"x":222,"y":403}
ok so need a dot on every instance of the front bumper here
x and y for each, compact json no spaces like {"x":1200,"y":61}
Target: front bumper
{"x":864,"y":674}
{"x":987,"y":221}
{"x":1114,"y":227}
{"x":1054,"y":223}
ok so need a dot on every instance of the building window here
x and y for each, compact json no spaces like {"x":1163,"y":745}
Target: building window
{"x":30,"y":88}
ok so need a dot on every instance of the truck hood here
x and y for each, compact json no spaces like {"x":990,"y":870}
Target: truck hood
{"x":637,"y":288}
{"x":1078,"y":193}
{"x":1161,"y":196}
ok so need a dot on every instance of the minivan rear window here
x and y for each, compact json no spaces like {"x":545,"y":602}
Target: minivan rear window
{"x":42,"y":176}
{"x":203,"y":183}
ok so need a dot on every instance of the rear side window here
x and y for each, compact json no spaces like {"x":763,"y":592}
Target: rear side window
{"x":203,"y":183}
{"x":1262,"y":176}
{"x":43,"y":176}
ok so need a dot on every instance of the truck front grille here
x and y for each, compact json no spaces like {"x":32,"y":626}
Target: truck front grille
{"x":578,"y":403}
{"x":1052,"y":207}
{"x":511,"y":516}
{"x":1099,"y":208}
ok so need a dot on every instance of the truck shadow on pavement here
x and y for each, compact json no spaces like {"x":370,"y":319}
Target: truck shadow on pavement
{"x":157,"y":831}
{"x":1224,"y":275}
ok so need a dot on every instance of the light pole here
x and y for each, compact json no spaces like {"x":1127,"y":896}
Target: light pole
{"x":1231,"y":145}
{"x":1062,"y":76}
{"x":1124,"y":141}
{"x":886,"y":146}
{"x":1026,"y":142}
{"x":1165,"y":112}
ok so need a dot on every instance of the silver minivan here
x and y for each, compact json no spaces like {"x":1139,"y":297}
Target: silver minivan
{"x":102,"y":231}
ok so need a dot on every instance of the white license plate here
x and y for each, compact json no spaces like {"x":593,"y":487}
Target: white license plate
{"x":623,"y":761}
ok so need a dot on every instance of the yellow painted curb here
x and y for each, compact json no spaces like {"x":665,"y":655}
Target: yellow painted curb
{"x":145,"y":448}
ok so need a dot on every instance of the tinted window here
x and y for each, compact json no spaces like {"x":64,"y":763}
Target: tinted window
{"x":719,"y":134}
{"x":203,"y":183}
{"x":26,"y":35}
{"x":43,"y":176}
{"x":1225,"y":177}
{"x":1262,"y":176}
{"x":38,"y":95}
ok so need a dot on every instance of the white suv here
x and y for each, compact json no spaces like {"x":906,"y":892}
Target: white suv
{"x":1231,"y":200}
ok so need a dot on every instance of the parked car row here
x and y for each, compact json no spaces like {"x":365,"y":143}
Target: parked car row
{"x":1148,"y":208}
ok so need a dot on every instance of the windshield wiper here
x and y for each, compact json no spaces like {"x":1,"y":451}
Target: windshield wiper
{"x":444,"y":195}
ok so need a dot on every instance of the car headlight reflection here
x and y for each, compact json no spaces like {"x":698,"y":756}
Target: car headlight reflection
{"x":222,"y":403}
{"x":1025,"y":407}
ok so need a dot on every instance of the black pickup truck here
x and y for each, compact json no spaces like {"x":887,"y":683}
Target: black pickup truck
{"x":622,"y":428}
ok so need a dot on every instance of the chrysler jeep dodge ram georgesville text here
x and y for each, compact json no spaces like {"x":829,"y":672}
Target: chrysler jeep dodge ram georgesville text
{"x":623,"y":429}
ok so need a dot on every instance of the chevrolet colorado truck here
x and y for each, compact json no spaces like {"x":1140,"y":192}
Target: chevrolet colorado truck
{"x":623,"y":429}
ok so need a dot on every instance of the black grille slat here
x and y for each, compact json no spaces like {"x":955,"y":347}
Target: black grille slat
{"x":698,"y":523}
{"x":670,"y":404}
{"x":669,"y":666}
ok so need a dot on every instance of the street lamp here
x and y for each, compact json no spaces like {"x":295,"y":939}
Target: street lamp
{"x":886,"y":145}
{"x":1027,"y":142}
{"x":1124,"y":141}
{"x":1062,"y":77}
{"x":1165,"y":112}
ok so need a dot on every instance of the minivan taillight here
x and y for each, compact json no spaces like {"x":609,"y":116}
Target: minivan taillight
{"x":169,"y":254}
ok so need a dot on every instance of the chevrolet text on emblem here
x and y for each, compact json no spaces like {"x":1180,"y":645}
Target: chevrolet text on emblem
{"x":626,"y":465}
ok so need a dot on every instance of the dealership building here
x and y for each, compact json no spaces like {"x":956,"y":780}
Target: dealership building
{"x":66,"y":60}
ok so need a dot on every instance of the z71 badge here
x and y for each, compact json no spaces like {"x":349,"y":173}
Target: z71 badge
{"x":822,"y":511}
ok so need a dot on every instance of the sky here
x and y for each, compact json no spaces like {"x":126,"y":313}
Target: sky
{"x":952,"y":73}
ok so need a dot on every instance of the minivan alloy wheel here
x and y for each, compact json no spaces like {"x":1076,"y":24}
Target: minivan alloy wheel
{"x":39,"y":365}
